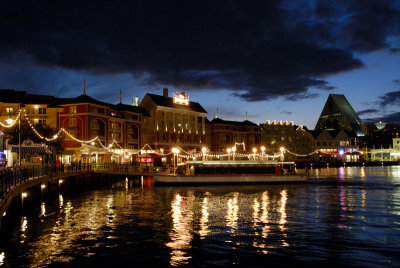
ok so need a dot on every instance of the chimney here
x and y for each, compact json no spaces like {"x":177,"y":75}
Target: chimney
{"x":165,"y":92}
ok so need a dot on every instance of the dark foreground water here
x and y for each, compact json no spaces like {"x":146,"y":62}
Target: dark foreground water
{"x":342,"y":217}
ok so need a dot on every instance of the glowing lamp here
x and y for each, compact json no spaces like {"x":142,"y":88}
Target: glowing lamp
{"x":233,"y":149}
{"x":229,"y":150}
{"x":262,"y":148}
{"x":282,"y":149}
{"x":254,"y":150}
{"x":204,"y":149}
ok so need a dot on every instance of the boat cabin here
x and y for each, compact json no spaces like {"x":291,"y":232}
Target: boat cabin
{"x":230,"y":168}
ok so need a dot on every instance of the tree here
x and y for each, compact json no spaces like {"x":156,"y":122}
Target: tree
{"x":28,"y":133}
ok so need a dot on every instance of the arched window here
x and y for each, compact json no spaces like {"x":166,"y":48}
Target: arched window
{"x":133,"y":132}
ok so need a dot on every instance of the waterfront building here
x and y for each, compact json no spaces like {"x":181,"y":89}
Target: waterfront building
{"x":335,"y":145}
{"x":379,"y":135}
{"x":338,"y":114}
{"x":243,"y":135}
{"x":38,"y":109}
{"x":174,"y":121}
{"x":296,"y":139}
{"x":113,"y":129}
{"x":391,"y":153}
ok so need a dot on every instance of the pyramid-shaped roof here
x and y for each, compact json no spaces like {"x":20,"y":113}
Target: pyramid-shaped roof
{"x":338,"y":114}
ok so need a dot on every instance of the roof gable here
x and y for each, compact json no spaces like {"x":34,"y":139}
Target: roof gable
{"x":169,"y":102}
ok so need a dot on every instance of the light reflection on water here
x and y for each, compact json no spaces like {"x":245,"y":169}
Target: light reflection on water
{"x":346,"y":215}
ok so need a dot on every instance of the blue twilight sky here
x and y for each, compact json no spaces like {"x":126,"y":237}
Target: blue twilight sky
{"x":274,"y":60}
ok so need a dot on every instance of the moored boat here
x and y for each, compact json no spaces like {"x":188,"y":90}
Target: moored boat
{"x":231,"y":172}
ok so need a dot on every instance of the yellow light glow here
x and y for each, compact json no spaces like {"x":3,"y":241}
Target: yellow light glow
{"x":262,"y":148}
{"x":254,"y":150}
{"x":233,"y":149}
{"x":24,"y":194}
{"x":204,"y":149}
{"x":229,"y":150}
{"x":181,"y":99}
{"x":282,"y":149}
{"x":43,"y":186}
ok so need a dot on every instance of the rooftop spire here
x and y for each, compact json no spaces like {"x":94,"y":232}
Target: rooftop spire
{"x":246,"y":115}
{"x":120,"y":96}
{"x":84,"y":87}
{"x":216,"y":116}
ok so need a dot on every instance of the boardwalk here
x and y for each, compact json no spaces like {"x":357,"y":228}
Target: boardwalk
{"x":15,"y":180}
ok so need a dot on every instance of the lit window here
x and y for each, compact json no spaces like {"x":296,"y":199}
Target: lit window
{"x":72,"y":122}
{"x":72,"y":110}
{"x":10,"y":110}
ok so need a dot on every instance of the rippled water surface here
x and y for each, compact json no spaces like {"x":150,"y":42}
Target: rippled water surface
{"x":346,"y":216}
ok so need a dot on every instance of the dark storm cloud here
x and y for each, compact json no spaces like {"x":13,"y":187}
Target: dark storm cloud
{"x":367,"y":111}
{"x":261,"y":50}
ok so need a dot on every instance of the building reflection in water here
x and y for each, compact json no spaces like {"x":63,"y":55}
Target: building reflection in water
{"x":232,"y":212}
{"x":204,"y":230}
{"x":24,"y":226}
{"x":2,"y":256}
{"x":43,"y":210}
{"x":180,"y":234}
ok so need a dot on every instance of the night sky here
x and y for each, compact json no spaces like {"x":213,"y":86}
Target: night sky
{"x":275,"y":60}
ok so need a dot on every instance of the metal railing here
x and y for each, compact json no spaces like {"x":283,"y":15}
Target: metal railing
{"x":13,"y":176}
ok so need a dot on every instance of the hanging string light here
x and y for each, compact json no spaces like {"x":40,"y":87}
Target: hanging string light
{"x":146,"y":147}
{"x":10,"y":122}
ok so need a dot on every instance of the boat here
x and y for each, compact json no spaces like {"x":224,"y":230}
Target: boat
{"x":231,"y":172}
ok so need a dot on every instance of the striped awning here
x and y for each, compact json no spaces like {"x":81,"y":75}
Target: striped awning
{"x":31,"y":150}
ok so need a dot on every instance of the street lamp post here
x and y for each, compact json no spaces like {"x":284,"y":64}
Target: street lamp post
{"x":176,"y":152}
{"x":233,"y":152}
{"x":254,"y":152}
{"x":229,"y":153}
{"x":262,"y":152}
{"x":282,"y":149}
{"x":204,"y":150}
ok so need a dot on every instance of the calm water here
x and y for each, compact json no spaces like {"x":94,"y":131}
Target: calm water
{"x":346,"y":216}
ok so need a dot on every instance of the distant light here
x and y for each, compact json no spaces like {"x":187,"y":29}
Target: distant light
{"x":43,"y":186}
{"x":341,"y":152}
{"x":24,"y":194}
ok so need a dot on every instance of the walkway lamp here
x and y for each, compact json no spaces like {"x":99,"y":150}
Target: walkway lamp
{"x":204,"y":150}
{"x":254,"y":152}
{"x":229,"y":153}
{"x":233,"y":152}
{"x":262,"y":151}
{"x":175,"y":151}
{"x":282,"y":149}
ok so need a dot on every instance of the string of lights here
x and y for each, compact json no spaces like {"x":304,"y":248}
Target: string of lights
{"x":302,"y":155}
{"x":10,"y":122}
{"x":146,"y":147}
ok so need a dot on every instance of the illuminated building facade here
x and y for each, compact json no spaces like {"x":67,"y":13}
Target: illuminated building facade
{"x":173,"y":121}
{"x":40,"y":109}
{"x":335,"y":145}
{"x":338,"y":114}
{"x":296,"y":139}
{"x":117,"y":125}
{"x":226,"y":134}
